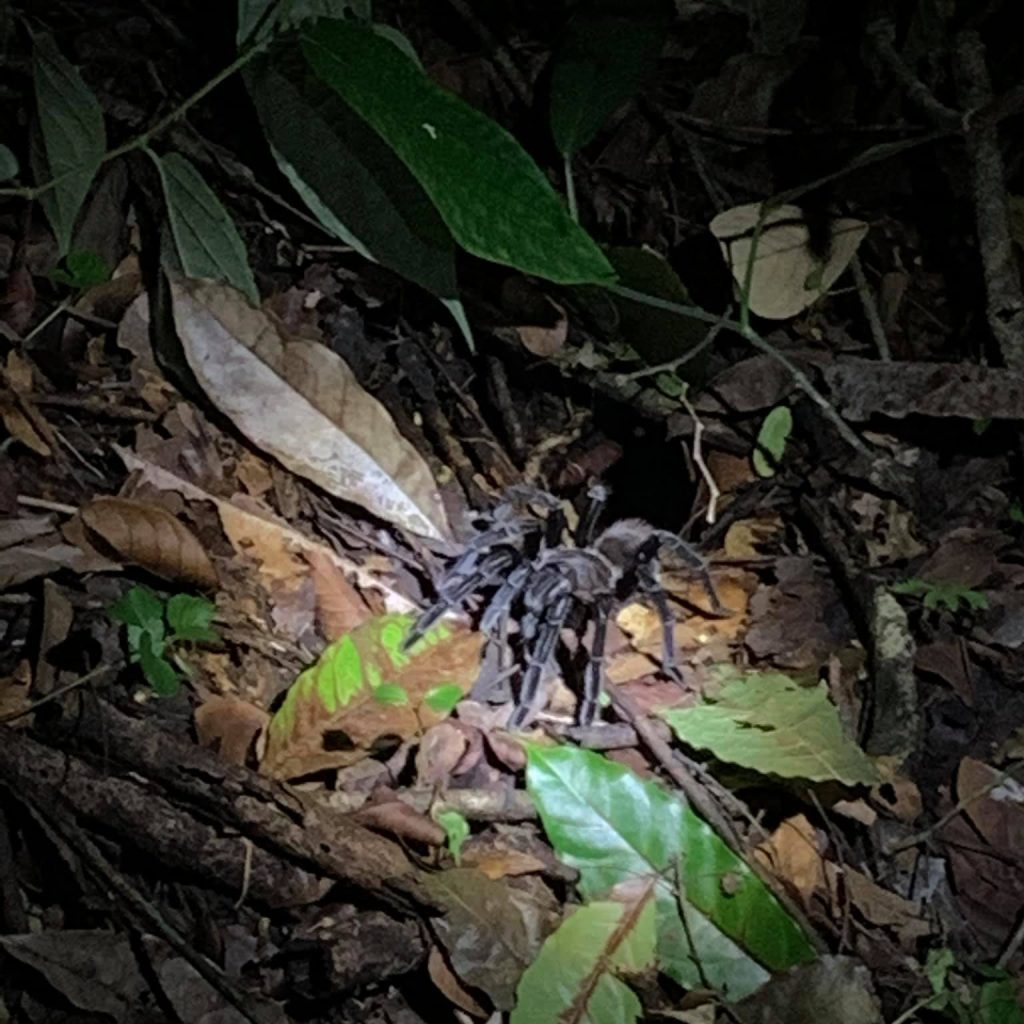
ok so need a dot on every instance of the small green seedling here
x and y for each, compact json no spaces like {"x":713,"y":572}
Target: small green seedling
{"x":157,"y":630}
{"x":952,"y":595}
{"x":82,"y":269}
{"x":771,"y":441}
{"x":456,"y":830}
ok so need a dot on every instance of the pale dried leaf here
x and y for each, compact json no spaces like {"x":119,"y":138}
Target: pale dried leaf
{"x":300,"y":402}
{"x":787,"y":277}
{"x":17,"y":531}
{"x":149,"y":536}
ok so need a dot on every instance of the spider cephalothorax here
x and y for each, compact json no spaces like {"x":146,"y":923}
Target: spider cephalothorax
{"x":530,"y":572}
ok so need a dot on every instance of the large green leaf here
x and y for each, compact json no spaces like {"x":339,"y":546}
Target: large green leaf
{"x":609,"y":46}
{"x":772,"y":724}
{"x":71,"y":140}
{"x":494,"y":199}
{"x":348,"y":177}
{"x":205,"y":236}
{"x":575,"y":977}
{"x":614,"y":827}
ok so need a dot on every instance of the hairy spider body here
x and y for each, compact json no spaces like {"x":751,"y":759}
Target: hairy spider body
{"x":535,"y":575}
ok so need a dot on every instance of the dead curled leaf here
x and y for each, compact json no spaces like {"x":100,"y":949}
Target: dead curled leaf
{"x":300,"y":402}
{"x":150,"y":537}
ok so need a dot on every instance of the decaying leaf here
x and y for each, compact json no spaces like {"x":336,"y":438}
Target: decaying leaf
{"x":300,"y":402}
{"x":491,"y":931}
{"x":149,"y":536}
{"x":344,"y":707}
{"x":787,"y":276}
{"x":47,"y":555}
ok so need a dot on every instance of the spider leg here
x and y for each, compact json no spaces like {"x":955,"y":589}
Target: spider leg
{"x":593,"y":676}
{"x":557,"y":601}
{"x":679,"y":547}
{"x":497,"y":610}
{"x":598,"y":495}
{"x":456,"y":589}
{"x":649,"y":585}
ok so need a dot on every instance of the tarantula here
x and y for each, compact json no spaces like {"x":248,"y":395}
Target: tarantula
{"x":523,"y":559}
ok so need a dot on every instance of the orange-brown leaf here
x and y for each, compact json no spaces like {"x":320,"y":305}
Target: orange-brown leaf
{"x":149,"y":536}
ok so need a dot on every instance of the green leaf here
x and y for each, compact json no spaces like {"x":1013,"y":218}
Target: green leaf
{"x":8,"y":164}
{"x":936,"y":594}
{"x":456,"y":830}
{"x":607,"y":51}
{"x":190,"y":617}
{"x":614,"y":828}
{"x":82,"y":269}
{"x":142,"y":608}
{"x":999,"y":1003}
{"x":443,"y":699}
{"x":494,"y":199}
{"x":71,"y":140}
{"x":252,"y":14}
{"x":391,"y":694}
{"x":159,"y":673}
{"x":937,"y":967}
{"x":576,"y":973}
{"x":205,"y":236}
{"x":656,"y":334}
{"x":771,"y":724}
{"x":350,"y":178}
{"x":771,"y":439}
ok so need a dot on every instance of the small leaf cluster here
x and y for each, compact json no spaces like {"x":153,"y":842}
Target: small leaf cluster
{"x":156,"y":630}
{"x":936,"y":595}
{"x":992,"y":1000}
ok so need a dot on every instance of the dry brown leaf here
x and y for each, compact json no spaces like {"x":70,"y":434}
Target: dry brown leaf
{"x":340,"y":608}
{"x":231,"y":725}
{"x":643,"y":625}
{"x":450,"y":986}
{"x":300,"y":402}
{"x":792,"y":854}
{"x":502,"y":863}
{"x":149,"y":536}
{"x":19,"y":373}
{"x":399,"y":819}
{"x":17,"y":531}
{"x":21,"y":427}
{"x":14,"y":695}
{"x":58,"y":616}
{"x":745,"y":537}
{"x":441,"y":750}
{"x":46,"y":555}
{"x":248,"y":531}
